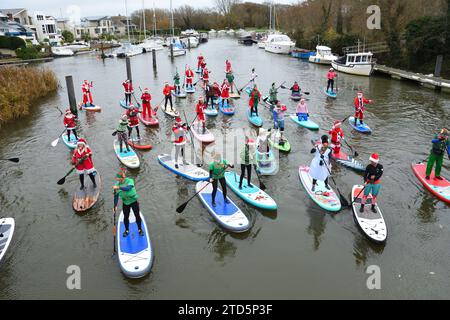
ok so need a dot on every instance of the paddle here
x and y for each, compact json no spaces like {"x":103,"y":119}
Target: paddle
{"x":63,"y":179}
{"x":59,"y":110}
{"x":240,"y":90}
{"x":301,"y":92}
{"x":184,"y":78}
{"x":355,"y":154}
{"x":262,"y":186}
{"x":55,"y":142}
{"x":139,"y":105}
{"x":350,"y":205}
{"x":16,"y":160}
{"x":192,"y":138}
{"x":114,"y":229}
{"x":265,"y":99}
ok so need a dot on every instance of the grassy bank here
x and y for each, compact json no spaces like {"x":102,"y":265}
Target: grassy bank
{"x":20,"y":87}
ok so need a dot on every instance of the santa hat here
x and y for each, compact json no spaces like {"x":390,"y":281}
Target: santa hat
{"x":250,"y":141}
{"x":85,"y":81}
{"x":337,"y":124}
{"x":200,"y":98}
{"x":124,"y":117}
{"x":145,"y":89}
{"x":283,"y":108}
{"x":68,"y":111}
{"x":81,"y":141}
{"x":166,"y":83}
{"x":374,"y":158}
{"x":360,"y":93}
{"x":121,"y":174}
{"x":178,"y":120}
{"x":331,"y":69}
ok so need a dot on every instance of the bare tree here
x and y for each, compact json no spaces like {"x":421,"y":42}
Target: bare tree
{"x":225,"y":6}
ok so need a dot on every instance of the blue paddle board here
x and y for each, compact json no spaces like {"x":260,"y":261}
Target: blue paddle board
{"x":124,"y":105}
{"x":128,"y":158}
{"x":72,"y":144}
{"x":186,"y":170}
{"x":307,"y":124}
{"x":364,"y":128}
{"x":254,"y":119}
{"x":331,"y":94}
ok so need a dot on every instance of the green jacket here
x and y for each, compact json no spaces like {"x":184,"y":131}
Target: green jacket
{"x":122,"y":127}
{"x":176,"y":78}
{"x":247,"y":155}
{"x":130,"y":196}
{"x":217,"y":170}
{"x":273,"y":92}
{"x":230,"y":77}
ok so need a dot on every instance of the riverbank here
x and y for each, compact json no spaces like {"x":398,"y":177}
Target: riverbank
{"x":21,"y":87}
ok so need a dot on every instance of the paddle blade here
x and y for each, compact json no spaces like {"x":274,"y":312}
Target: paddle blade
{"x":61,"y":181}
{"x":181,"y":208}
{"x":344,"y":201}
{"x":262,"y":186}
{"x":356,"y":154}
{"x":55,"y":142}
{"x":16,"y":160}
{"x":307,"y":93}
{"x":114,"y":133}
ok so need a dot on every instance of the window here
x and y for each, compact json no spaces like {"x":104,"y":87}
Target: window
{"x":43,"y":29}
{"x":40,"y":17}
{"x":351,"y":59}
{"x":51,"y":28}
{"x":364,"y":58}
{"x":97,"y":30}
{"x":358,"y":59}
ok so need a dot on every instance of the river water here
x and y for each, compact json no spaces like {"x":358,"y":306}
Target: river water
{"x":298,"y":252}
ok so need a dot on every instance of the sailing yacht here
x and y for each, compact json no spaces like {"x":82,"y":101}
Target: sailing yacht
{"x":151,"y":43}
{"x":276,"y":42}
{"x":178,"y":47}
{"x":127,"y":49}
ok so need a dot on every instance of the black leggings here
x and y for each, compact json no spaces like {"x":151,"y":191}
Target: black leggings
{"x":126,"y":214}
{"x":254,"y":109}
{"x":74,"y":133}
{"x":128,"y":98}
{"x":223,"y":101}
{"x":212,"y":101}
{"x":315,"y":182}
{"x":330,"y":84}
{"x":168,"y":98}
{"x":91,"y":175}
{"x":249,"y":173}
{"x":130,"y":129}
{"x":223,"y":184}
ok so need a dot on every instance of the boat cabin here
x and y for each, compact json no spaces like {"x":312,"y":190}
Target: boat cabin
{"x":356,"y":58}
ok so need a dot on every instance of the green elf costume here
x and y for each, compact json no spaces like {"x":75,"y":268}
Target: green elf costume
{"x":440,"y":146}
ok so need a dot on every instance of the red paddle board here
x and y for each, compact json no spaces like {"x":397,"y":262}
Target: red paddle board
{"x":439,"y":188}
{"x":147,"y":120}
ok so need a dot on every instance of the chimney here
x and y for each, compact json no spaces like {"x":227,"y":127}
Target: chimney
{"x":10,"y":16}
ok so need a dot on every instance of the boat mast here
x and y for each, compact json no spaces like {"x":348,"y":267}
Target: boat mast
{"x":270,"y":17}
{"x":143,"y":13}
{"x":154,"y":19}
{"x":126,"y":16}
{"x":171,"y":13}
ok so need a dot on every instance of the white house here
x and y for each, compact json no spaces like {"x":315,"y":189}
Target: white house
{"x":45,"y":27}
{"x":94,"y":26}
{"x":17,"y":23}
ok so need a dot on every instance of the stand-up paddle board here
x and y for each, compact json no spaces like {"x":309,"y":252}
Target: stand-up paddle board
{"x":331,"y":94}
{"x":227,"y":215}
{"x":326,"y":199}
{"x":139,"y":144}
{"x":186,"y":170}
{"x":370,"y":223}
{"x":439,"y":188}
{"x":227,"y":109}
{"x":308,"y":124}
{"x":7,"y":226}
{"x":91,"y":107}
{"x":363,"y":128}
{"x":190,"y":89}
{"x":124,"y":105}
{"x":266,"y":163}
{"x":171,"y":112}
{"x":205,"y":136}
{"x":85,"y":199}
{"x":72,"y":144}
{"x":181,"y":94}
{"x":274,"y":141}
{"x":211,"y":112}
{"x":234,"y":95}
{"x":147,"y":120}
{"x":134,"y":251}
{"x":347,"y":161}
{"x":253,"y":195}
{"x":254,"y":119}
{"x":128,"y":158}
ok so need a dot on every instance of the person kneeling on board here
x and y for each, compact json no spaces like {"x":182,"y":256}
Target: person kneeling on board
{"x":295,"y":89}
{"x":255,"y":97}
{"x":320,"y":167}
{"x":69,"y":123}
{"x":273,"y":95}
{"x":146,"y":97}
{"x":330,"y":76}
{"x":176,"y":82}
{"x":278,"y":119}
{"x":82,"y":160}
{"x":133,"y":120}
{"x":360,"y":102}
{"x":372,"y":176}
{"x":179,"y":129}
{"x":440,"y":146}
{"x":217,"y":170}
{"x":122,"y":133}
{"x":124,"y":188}
{"x":247,"y":161}
{"x":128,"y":87}
{"x":167,"y":91}
{"x":337,"y":135}
{"x":302,"y":111}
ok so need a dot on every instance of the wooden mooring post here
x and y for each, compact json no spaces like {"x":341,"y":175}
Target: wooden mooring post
{"x":71,"y":95}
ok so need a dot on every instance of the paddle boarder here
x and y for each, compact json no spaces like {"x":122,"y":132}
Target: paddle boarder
{"x":331,"y":75}
{"x":278,"y":119}
{"x":176,"y":82}
{"x":247,"y":161}
{"x":253,"y":77}
{"x":87,"y":95}
{"x":440,"y":145}
{"x":200,"y":59}
{"x":302,"y":110}
{"x":128,"y":88}
{"x":200,"y":111}
{"x":203,"y":66}
{"x":209,"y":93}
{"x":82,"y":160}
{"x":146,"y":97}
{"x":125,"y":189}
{"x":217,"y":170}
{"x":225,"y":92}
{"x":320,"y":167}
{"x":273,"y":94}
{"x":337,"y":135}
{"x":372,"y":185}
{"x":360,"y":102}
{"x":262,"y":142}
{"x":133,"y":121}
{"x":255,"y":97}
{"x":295,"y":89}
{"x":69,"y":123}
{"x":167,"y":91}
{"x":227,"y":66}
{"x":230,"y":79}
{"x":179,"y":129}
{"x":205,"y":75}
{"x":122,"y":135}
{"x":189,"y":77}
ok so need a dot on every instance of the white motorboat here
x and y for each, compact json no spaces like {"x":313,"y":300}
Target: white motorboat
{"x":212,"y":32}
{"x":150,"y":44}
{"x":262,"y":43}
{"x":231,"y":32}
{"x":77,"y":46}
{"x":222,"y":32}
{"x":323,"y":55}
{"x":193,"y":40}
{"x":360,"y":64}
{"x":62,"y":52}
{"x":190,"y":32}
{"x":127,"y":50}
{"x":279,"y":43}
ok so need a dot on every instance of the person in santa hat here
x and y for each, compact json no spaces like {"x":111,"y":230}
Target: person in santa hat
{"x":167,"y":91}
{"x":146,"y":97}
{"x":337,"y":135}
{"x":302,"y":110}
{"x":189,"y":77}
{"x":372,"y":184}
{"x":128,"y":87}
{"x":209,"y":93}
{"x":205,"y":75}
{"x":278,"y":119}
{"x":87,"y":95}
{"x":126,"y":190}
{"x":179,"y":129}
{"x":203,"y":66}
{"x":133,"y":120}
{"x":200,"y":59}
{"x":122,"y":132}
{"x":176,"y":81}
{"x":200,"y":110}
{"x":82,"y":160}
{"x":360,"y":102}
{"x":230,"y":78}
{"x":225,"y":92}
{"x":255,"y":97}
{"x":331,"y":75}
{"x":227,"y":66}
{"x":320,"y":167}
{"x":247,"y":161}
{"x":69,"y":123}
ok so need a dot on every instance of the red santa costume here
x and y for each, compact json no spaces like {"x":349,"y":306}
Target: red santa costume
{"x":360,"y":102}
{"x":179,"y":130}
{"x":128,"y":87}
{"x":132,"y":114}
{"x":146,"y":97}
{"x":225,"y":92}
{"x":69,"y":123}
{"x":82,"y":158}
{"x":336,"y":137}
{"x":205,"y":75}
{"x":189,"y":77}
{"x":200,"y":110}
{"x":200,"y":59}
{"x":227,"y":66}
{"x":87,"y":95}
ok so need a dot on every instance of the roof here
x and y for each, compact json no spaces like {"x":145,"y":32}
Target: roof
{"x":3,"y":15}
{"x":323,"y":48}
{"x":62,"y":20}
{"x":12,"y":11}
{"x":95,"y":18}
{"x":360,"y":54}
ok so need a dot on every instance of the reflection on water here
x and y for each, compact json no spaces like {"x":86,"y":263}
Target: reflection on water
{"x":316,"y":228}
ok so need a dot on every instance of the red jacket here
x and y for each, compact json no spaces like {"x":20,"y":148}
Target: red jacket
{"x":203,"y":64}
{"x":69,"y":122}
{"x":225,"y":91}
{"x":205,"y":74}
{"x":86,"y":87}
{"x":146,"y":97}
{"x":252,"y":96}
{"x":359,"y":105}
{"x":167,"y":91}
{"x":86,"y":164}
{"x":189,"y":73}
{"x":336,"y":135}
{"x":128,"y":86}
{"x":200,"y":108}
{"x":296,"y":87}
{"x":133,"y":116}
{"x":180,"y":134}
{"x":331,"y":75}
{"x":200,"y":58}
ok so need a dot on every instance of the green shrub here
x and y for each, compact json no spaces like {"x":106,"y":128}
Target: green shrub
{"x":28,"y":53}
{"x":11,"y":43}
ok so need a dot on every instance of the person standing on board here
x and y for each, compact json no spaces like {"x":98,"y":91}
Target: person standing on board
{"x":331,"y":76}
{"x":189,"y":77}
{"x":225,"y":92}
{"x":205,"y":75}
{"x":273,"y":94}
{"x":230,"y":79}
{"x":200,"y":59}
{"x":122,"y":135}
{"x":128,"y":87}
{"x":69,"y":123}
{"x":133,"y":120}
{"x":87,"y":95}
{"x":179,"y":130}
{"x":125,"y":189}
{"x":209,"y":93}
{"x":247,"y":161}
{"x":176,"y":82}
{"x":337,"y":135}
{"x":302,"y":110}
{"x":295,"y":90}
{"x":203,"y":66}
{"x":253,"y":77}
{"x":440,"y":146}
{"x":200,"y":110}
{"x":167,"y":91}
{"x":255,"y":97}
{"x":278,"y":123}
{"x":82,"y":160}
{"x":360,"y":102}
{"x":372,"y":185}
{"x":320,"y":167}
{"x":146,"y":97}
{"x":217,"y":170}
{"x":227,"y":66}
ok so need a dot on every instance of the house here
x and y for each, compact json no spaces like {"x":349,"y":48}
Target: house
{"x":120,"y":25}
{"x":3,"y":24}
{"x":45,"y":28}
{"x":94,"y":27}
{"x":16,"y":23}
{"x":19,"y":15}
